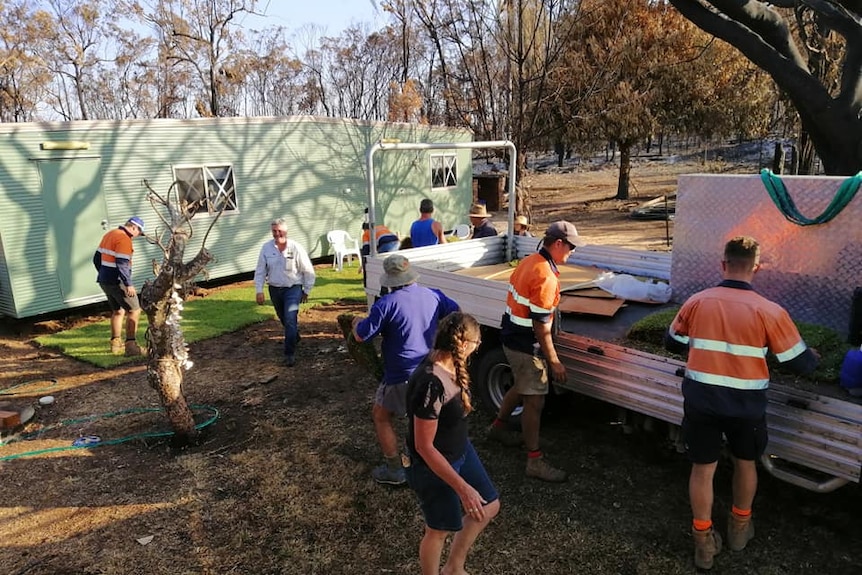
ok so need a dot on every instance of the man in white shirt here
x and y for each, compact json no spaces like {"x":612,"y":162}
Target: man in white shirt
{"x":285,"y":266}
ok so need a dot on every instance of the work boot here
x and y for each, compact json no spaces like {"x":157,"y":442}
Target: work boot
{"x":132,"y":348}
{"x":740,"y":530}
{"x":538,"y":468}
{"x":117,"y":346}
{"x":504,"y":436}
{"x":707,"y":544}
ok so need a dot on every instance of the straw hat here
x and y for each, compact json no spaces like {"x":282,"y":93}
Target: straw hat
{"x":478,"y":211}
{"x":522,"y":220}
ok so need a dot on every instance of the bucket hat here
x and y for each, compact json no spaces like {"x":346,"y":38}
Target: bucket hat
{"x":397,"y":272}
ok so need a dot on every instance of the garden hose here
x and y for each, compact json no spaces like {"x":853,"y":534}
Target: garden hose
{"x":8,"y":390}
{"x":87,"y":444}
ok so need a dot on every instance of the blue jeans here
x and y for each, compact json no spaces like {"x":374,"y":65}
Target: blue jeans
{"x":286,"y":303}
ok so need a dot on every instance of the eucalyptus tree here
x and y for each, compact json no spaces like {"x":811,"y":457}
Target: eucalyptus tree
{"x":201,"y":37}
{"x":797,"y":42}
{"x":25,"y":33}
{"x":82,"y":43}
{"x":636,"y":67}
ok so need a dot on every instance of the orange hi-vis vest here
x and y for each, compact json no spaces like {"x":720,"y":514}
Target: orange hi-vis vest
{"x":534,"y":291}
{"x":380,"y":231}
{"x":728,"y":332}
{"x":115,"y":251}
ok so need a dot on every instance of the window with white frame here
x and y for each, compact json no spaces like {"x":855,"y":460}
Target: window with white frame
{"x":207,"y":189}
{"x":444,"y":171}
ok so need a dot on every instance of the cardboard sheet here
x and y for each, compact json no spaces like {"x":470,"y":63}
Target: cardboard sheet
{"x":590,"y":305}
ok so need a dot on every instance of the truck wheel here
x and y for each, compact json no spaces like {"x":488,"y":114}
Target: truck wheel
{"x":493,"y":380}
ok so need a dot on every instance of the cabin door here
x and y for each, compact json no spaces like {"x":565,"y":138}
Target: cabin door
{"x":76,"y":210}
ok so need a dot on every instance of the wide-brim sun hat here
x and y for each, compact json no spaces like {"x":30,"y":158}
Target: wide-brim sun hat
{"x":478,"y":211}
{"x":397,"y":272}
{"x":522,"y":220}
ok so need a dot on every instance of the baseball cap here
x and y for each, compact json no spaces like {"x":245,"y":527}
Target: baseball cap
{"x":138,"y":222}
{"x":563,"y":230}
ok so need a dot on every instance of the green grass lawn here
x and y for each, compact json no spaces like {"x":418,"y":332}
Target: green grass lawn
{"x":225,"y":310}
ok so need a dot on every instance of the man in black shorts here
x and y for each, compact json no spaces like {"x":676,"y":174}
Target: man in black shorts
{"x":113,"y":260}
{"x":726,"y":331}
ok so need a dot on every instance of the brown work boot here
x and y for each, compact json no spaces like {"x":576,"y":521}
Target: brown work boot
{"x":538,"y":468}
{"x":133,"y":349}
{"x":504,"y":436}
{"x":707,"y":544}
{"x":117,"y":346}
{"x":740,"y":530}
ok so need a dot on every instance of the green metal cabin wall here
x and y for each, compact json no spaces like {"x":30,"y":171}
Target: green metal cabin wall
{"x":311,"y":171}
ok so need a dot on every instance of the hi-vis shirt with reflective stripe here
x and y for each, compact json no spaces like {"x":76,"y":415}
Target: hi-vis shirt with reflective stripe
{"x":115,"y":251}
{"x":729,"y":331}
{"x":534,"y":290}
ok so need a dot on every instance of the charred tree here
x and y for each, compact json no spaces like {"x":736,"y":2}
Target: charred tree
{"x":162,"y":300}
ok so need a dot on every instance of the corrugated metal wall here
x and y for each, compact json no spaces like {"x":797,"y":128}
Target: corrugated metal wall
{"x":310,"y":171}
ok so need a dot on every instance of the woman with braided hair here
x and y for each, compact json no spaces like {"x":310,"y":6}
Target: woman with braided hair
{"x":445,"y":471}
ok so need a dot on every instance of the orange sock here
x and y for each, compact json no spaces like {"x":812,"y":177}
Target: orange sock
{"x":701,"y":524}
{"x":740,"y":512}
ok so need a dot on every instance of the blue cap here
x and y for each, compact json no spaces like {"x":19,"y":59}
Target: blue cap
{"x":138,"y":222}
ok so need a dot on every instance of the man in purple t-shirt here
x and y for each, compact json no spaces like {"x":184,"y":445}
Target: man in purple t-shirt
{"x":407,"y":319}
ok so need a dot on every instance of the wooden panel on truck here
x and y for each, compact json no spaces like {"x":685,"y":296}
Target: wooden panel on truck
{"x":810,"y":270}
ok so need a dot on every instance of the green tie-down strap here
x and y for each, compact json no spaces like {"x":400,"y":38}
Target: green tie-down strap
{"x":785,"y":204}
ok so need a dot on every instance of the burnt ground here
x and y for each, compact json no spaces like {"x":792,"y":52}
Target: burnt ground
{"x":280,"y":481}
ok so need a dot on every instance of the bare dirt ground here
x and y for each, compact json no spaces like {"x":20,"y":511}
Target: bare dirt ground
{"x":280,"y":483}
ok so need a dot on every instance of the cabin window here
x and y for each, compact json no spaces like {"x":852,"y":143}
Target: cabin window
{"x":207,"y":189}
{"x":444,"y":169}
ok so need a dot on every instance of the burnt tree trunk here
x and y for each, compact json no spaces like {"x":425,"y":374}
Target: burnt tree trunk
{"x":167,"y":354}
{"x":625,"y":170}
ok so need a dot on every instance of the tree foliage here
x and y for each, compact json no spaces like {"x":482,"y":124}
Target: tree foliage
{"x":797,"y":42}
{"x":632,"y":69}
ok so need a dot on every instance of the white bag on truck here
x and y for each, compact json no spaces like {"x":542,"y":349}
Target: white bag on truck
{"x":629,"y":287}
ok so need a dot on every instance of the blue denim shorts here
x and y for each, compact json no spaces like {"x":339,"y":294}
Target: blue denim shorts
{"x":440,"y":505}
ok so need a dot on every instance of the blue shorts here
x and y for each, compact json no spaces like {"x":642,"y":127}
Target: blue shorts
{"x":440,"y":505}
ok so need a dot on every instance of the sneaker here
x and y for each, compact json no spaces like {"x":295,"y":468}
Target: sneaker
{"x":538,"y":468}
{"x":504,"y":436}
{"x":707,"y":544}
{"x":133,"y":349}
{"x":117,"y":346}
{"x":388,"y":476}
{"x":289,"y":360}
{"x":740,"y":530}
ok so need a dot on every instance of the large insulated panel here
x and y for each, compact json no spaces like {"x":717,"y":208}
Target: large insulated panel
{"x":810,"y":270}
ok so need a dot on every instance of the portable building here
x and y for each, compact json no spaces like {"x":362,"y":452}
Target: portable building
{"x":63,"y":184}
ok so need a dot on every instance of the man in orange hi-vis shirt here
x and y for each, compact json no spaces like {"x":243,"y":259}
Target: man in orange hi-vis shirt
{"x":727,"y":331}
{"x":113,"y":260}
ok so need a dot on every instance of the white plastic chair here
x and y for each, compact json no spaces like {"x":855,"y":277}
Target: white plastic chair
{"x":344,"y":246}
{"x":461,"y":231}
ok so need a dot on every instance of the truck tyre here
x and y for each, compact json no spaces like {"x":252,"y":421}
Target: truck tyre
{"x":493,"y":380}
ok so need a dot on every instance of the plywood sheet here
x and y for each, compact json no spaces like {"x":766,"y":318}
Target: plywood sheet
{"x":590,"y":305}
{"x":570,"y":275}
